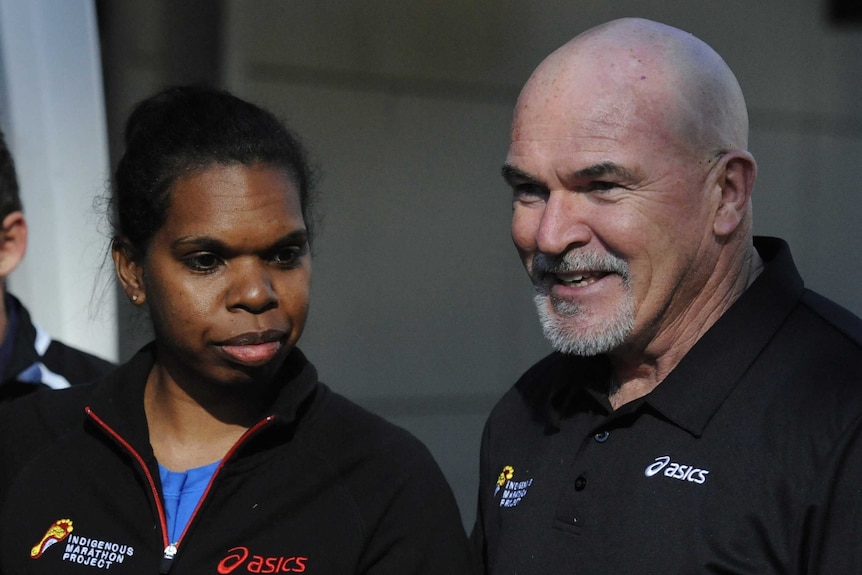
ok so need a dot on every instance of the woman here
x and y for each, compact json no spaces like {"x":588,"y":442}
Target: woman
{"x":216,"y":449}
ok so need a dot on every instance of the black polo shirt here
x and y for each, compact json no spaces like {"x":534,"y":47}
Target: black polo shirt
{"x":745,"y":459}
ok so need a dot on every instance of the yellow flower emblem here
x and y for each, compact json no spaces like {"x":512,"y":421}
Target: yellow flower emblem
{"x":505,"y":475}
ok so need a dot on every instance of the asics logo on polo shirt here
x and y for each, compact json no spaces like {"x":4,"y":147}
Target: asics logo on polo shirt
{"x":676,"y":470}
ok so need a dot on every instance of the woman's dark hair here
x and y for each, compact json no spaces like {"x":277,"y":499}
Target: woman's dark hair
{"x":185,"y":129}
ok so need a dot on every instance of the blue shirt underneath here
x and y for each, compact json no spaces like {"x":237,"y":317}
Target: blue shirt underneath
{"x":181,"y":492}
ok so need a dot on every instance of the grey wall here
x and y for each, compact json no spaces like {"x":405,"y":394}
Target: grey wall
{"x":420,"y":309}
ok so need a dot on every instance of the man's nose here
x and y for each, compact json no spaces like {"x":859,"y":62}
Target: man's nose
{"x":564,"y":223}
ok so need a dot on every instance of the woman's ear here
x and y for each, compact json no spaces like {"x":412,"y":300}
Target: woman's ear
{"x":13,"y":242}
{"x":736,"y":172}
{"x":129,"y":270}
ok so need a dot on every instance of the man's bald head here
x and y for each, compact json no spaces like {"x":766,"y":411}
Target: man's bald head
{"x":632,"y":190}
{"x":647,"y":70}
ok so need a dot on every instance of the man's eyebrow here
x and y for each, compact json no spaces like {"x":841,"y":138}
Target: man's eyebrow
{"x":512,"y":174}
{"x":604,"y":169}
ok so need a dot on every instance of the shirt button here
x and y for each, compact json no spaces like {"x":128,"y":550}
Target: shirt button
{"x":602,"y":436}
{"x":580,"y":483}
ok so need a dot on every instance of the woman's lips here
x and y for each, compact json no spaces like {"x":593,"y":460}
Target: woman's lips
{"x":254,"y":348}
{"x":253,"y":354}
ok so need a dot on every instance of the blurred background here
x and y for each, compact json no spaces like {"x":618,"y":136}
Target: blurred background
{"x":420,"y":309}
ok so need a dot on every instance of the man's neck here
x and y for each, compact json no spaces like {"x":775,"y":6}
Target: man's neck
{"x":636,"y":372}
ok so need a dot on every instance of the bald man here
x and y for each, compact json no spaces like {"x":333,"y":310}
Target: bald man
{"x":702,"y":410}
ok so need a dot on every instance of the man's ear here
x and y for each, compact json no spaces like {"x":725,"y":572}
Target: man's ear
{"x":735,"y":174}
{"x":13,"y":242}
{"x":129,"y":270}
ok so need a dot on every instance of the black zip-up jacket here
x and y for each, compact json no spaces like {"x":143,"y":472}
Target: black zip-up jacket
{"x":319,"y":487}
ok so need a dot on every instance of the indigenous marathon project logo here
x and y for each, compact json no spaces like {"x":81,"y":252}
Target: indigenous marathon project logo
{"x":510,"y":492}
{"x":58,"y":531}
{"x":81,"y":550}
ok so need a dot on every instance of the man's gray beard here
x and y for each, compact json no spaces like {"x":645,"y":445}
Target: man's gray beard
{"x":560,"y":317}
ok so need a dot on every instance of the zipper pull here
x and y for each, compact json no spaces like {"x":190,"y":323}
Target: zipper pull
{"x":168,"y":558}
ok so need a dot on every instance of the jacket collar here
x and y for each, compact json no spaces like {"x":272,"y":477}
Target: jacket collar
{"x":20,"y":337}
{"x":118,"y":399}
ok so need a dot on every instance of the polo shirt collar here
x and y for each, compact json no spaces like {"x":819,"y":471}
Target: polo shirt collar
{"x":577,"y":385}
{"x":691,"y":394}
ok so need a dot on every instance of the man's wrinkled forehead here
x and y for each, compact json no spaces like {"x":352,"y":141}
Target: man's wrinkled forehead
{"x":591,"y":88}
{"x":595,"y":107}
{"x":595,"y":113}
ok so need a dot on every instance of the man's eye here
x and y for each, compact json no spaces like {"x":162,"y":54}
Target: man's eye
{"x":528,"y":192}
{"x":202,"y":262}
{"x":602,"y":186}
